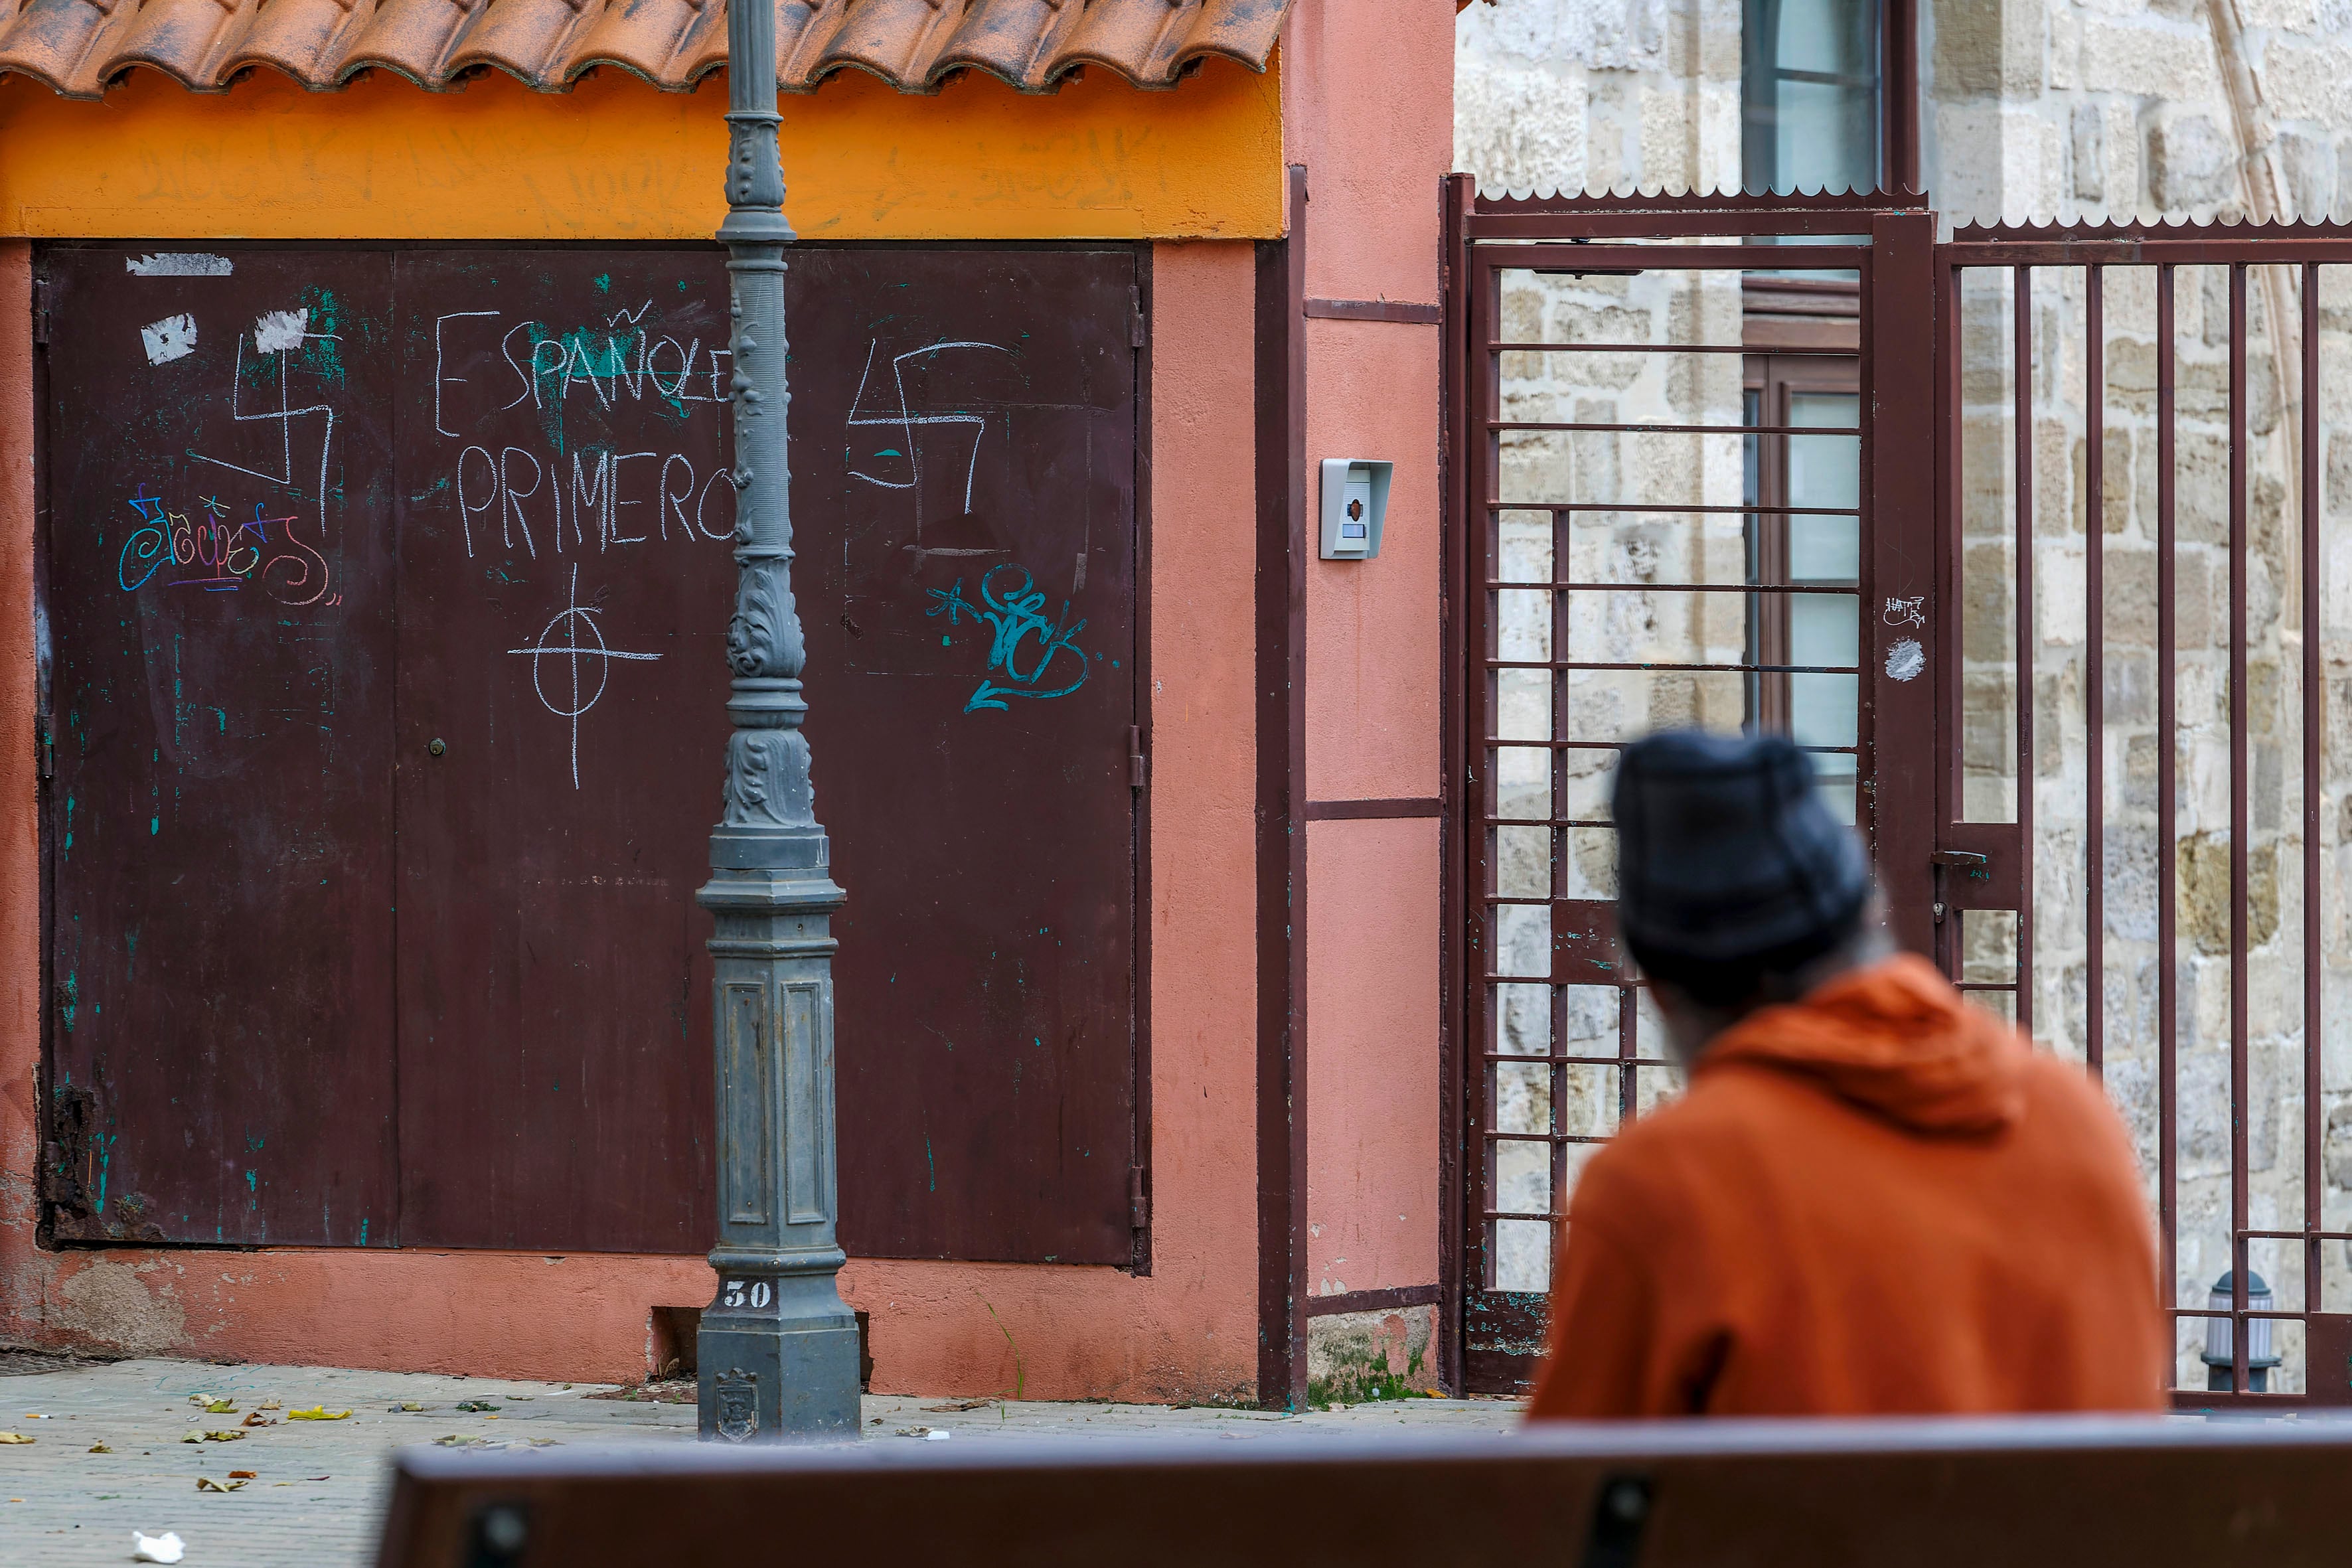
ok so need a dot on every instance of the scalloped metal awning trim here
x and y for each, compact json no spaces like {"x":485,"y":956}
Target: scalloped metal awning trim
{"x":78,"y":48}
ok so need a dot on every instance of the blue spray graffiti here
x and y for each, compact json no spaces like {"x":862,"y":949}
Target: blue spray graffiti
{"x":1013,"y":608}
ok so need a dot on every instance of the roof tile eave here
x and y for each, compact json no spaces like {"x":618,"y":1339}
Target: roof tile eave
{"x":120,"y":66}
{"x":549,"y":46}
{"x":1141,"y":81}
{"x":1195,"y":53}
{"x":83,"y":87}
{"x":586,"y":63}
{"x":358,"y":64}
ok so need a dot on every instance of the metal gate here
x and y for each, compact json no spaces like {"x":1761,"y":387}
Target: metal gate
{"x":1771,"y":462}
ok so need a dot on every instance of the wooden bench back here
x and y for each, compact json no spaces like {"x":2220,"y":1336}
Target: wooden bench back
{"x":2071,"y":1493}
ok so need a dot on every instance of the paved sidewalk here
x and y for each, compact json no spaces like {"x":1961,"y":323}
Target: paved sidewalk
{"x":318,"y":1488}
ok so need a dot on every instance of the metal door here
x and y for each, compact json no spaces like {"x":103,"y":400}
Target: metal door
{"x":963,"y":490}
{"x":219,"y":826}
{"x":1632,"y":561}
{"x":565,"y":526}
{"x":506,"y":736}
{"x":2141,"y":800}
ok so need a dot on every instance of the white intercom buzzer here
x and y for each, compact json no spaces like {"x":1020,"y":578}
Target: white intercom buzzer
{"x":1355,"y":504}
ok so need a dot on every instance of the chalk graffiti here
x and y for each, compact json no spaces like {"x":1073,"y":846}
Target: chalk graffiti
{"x":1013,"y":611}
{"x":906,"y":419}
{"x":276,"y":335}
{"x":232,"y":554}
{"x":591,"y":505}
{"x":572,"y":636}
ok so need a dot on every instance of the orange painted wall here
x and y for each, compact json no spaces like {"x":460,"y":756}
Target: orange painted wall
{"x":616,"y":159}
{"x":1376,"y":139}
{"x":1187,"y":1332}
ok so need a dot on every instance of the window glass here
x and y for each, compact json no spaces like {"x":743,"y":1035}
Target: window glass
{"x":1825,"y":629}
{"x":1809,"y":90}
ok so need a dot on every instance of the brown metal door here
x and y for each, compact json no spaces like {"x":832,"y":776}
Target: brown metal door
{"x":565,"y":582}
{"x":964,"y":495}
{"x":1653,"y":543}
{"x":219,"y":596}
{"x":261,"y":703}
{"x":964,"y":479}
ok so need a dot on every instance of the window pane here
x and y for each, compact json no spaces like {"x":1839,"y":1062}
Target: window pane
{"x":1827,"y":136}
{"x":1522,"y":1255}
{"x":1809,"y":86}
{"x":1832,"y":37}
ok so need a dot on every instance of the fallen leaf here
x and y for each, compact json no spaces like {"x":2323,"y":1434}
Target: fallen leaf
{"x":225,"y":1434}
{"x":192,"y":1437}
{"x":206,"y":1484}
{"x":258,"y":1419}
{"x":220,"y":1406}
{"x":957,"y":1404}
{"x":100,"y":1448}
{"x":242,"y":1474}
{"x":317,"y":1413}
{"x":454,"y":1441}
{"x":14,"y":1437}
{"x":408,"y":1407}
{"x":477,"y":1404}
{"x":317,"y":1477}
{"x":269,"y":1404}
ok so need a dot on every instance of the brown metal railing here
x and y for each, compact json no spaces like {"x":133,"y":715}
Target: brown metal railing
{"x":1917,"y":733}
{"x":2091,"y":257}
{"x":1502,"y":1301}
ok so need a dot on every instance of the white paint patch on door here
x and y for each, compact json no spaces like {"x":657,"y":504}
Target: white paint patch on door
{"x":281,"y":329}
{"x":173,"y":337}
{"x":1905,"y":659}
{"x":178,"y":264}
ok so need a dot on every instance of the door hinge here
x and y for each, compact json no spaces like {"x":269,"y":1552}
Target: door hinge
{"x":49,"y":750}
{"x":40,"y":310}
{"x":1136,"y":335}
{"x":1138,"y":1208}
{"x":1135,"y":766}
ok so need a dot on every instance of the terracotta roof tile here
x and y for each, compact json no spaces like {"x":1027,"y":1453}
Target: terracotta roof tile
{"x":79,"y":47}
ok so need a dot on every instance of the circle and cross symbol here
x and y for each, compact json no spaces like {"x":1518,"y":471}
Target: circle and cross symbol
{"x":572,"y":636}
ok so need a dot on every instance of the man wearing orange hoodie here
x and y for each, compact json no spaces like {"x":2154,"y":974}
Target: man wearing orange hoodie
{"x":1874,"y":1197}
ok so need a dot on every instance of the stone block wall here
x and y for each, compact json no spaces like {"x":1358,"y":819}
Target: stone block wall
{"x":1598,"y":95}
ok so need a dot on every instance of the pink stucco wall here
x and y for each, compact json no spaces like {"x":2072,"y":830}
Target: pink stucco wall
{"x":1188,"y":1330}
{"x":20,"y":862}
{"x":1372,"y":1073}
{"x":1369,"y":111}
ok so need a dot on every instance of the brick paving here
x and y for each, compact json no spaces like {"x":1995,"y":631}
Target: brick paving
{"x":318,"y":1486}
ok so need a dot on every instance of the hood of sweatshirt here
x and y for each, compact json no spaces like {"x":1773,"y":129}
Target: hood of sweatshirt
{"x":1895,"y":1038}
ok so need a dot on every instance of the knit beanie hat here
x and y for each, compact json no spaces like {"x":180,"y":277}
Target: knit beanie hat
{"x":1725,"y":851}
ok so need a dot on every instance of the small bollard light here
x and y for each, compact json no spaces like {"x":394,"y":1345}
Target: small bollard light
{"x":2219,"y":1350}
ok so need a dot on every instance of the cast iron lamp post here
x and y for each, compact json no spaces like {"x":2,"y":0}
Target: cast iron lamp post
{"x":777,"y":1350}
